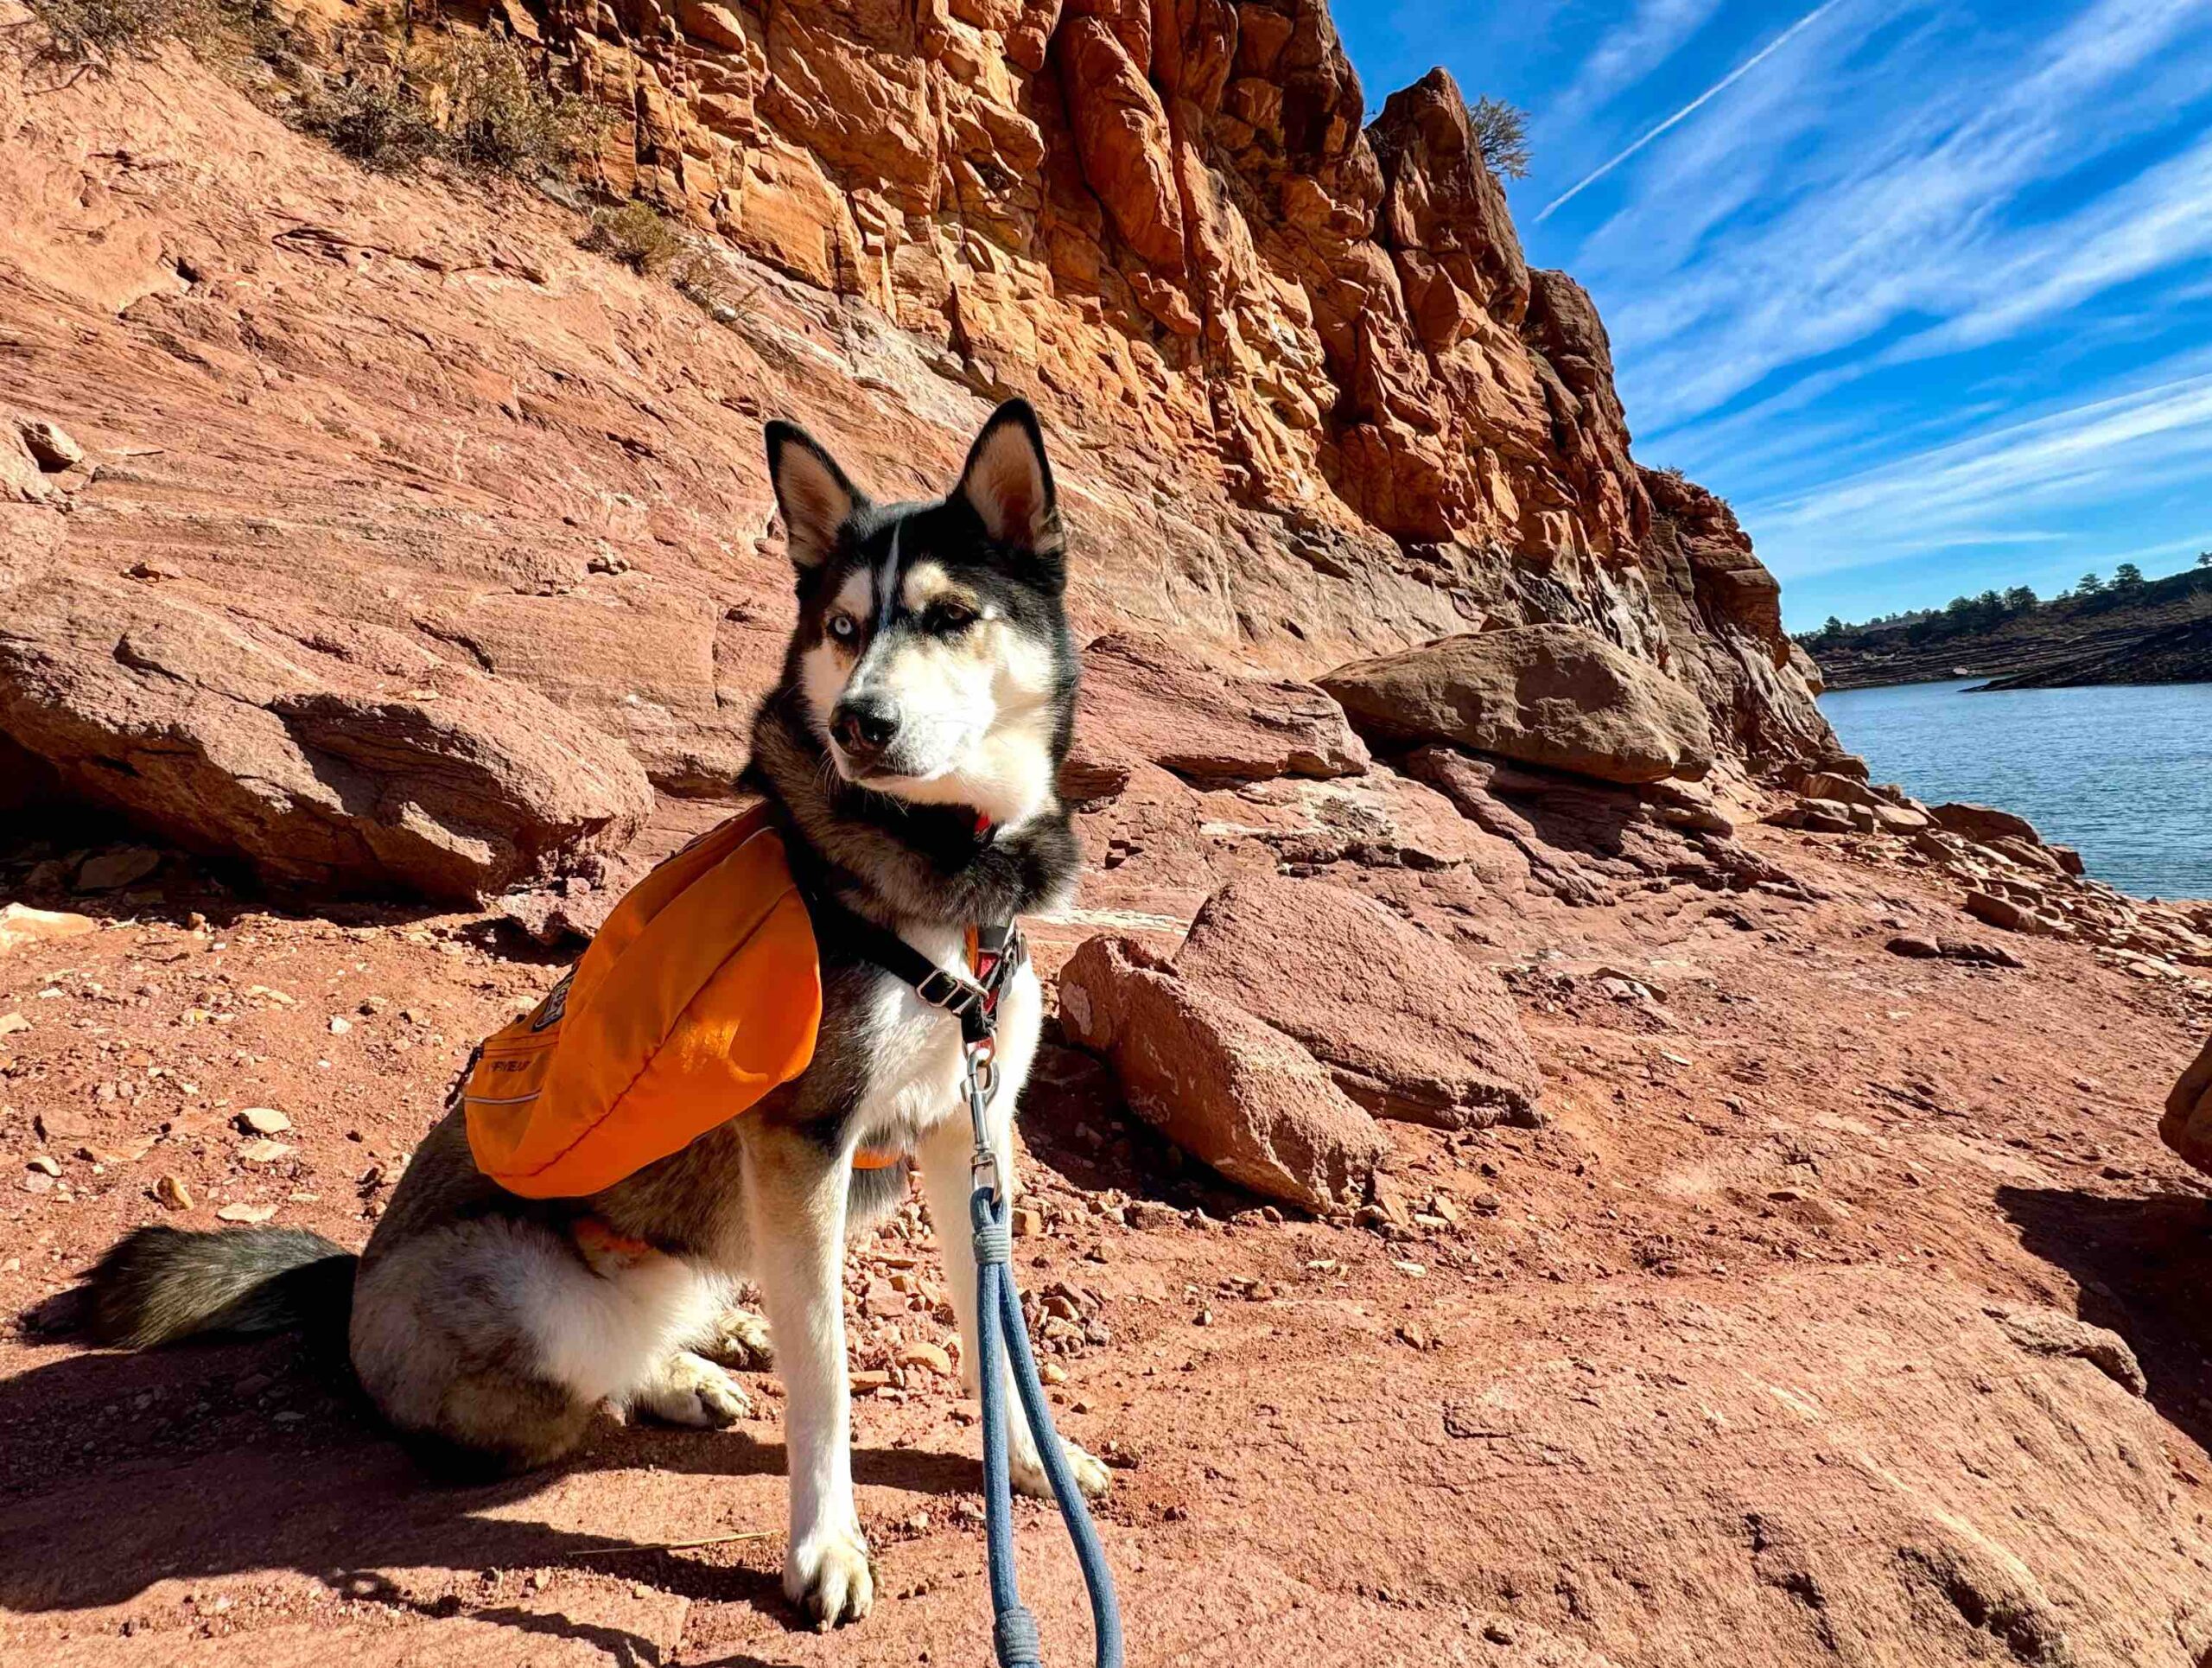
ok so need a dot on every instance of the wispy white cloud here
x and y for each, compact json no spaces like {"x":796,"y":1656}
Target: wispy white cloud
{"x":1999,"y":485}
{"x":2159,"y":219}
{"x":1688,"y":110}
{"x":1902,"y":218}
{"x":1628,"y":53}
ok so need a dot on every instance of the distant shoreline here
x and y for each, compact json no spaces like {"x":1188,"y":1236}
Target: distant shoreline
{"x":2110,"y":636}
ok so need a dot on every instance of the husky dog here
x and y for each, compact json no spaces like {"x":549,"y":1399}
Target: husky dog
{"x":911,"y":749}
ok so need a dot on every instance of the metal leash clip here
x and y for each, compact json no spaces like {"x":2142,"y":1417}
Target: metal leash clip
{"x":981,"y":1076}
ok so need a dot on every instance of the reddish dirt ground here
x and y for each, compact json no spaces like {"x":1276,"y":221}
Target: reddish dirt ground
{"x":1728,"y":1361}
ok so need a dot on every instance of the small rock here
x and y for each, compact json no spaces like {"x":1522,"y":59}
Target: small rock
{"x":246,"y":1214}
{"x":1027,"y":1221}
{"x":1980,"y":953}
{"x":172,"y":1192}
{"x":340,"y":1025}
{"x":11,"y":1024}
{"x":2003,"y":912}
{"x":924,"y":1354}
{"x":263,"y":1120}
{"x":50,"y":444}
{"x":1052,"y":1373}
{"x":1203,"y":1318}
{"x":1912,"y":944}
{"x":2048,"y":1332}
{"x":45,"y":1166}
{"x":1980,"y":824}
{"x":867,"y":1384}
{"x":264,"y":1151}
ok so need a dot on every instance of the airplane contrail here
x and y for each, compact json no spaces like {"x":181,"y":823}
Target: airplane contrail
{"x":1691,"y":108}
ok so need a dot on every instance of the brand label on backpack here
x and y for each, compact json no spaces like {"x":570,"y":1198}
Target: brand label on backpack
{"x":555,"y":1004}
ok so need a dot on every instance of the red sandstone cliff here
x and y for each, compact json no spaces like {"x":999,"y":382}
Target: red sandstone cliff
{"x":1308,"y":399}
{"x":1164,"y":220}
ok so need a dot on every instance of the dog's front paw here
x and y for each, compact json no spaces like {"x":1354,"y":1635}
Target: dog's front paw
{"x":827,"y":1576}
{"x":689,"y":1389}
{"x":740,"y":1338}
{"x":1030,"y":1477}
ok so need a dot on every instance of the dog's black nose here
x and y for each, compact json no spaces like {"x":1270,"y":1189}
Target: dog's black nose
{"x":864,"y":726}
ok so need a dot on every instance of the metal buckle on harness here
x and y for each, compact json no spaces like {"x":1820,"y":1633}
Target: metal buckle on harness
{"x":948,"y":991}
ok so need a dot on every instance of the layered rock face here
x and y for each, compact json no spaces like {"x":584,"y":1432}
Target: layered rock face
{"x":1307,"y":402}
{"x":1166,"y":224}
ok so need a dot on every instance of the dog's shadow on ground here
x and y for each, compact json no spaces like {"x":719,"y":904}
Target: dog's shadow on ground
{"x":104,"y":1500}
{"x":2145,"y":1267}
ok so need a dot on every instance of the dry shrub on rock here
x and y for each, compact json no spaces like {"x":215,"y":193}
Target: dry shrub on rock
{"x":1502,"y":130}
{"x":501,"y":115}
{"x":93,"y":32}
{"x":478,"y":101}
{"x":378,"y":118}
{"x":636,"y":235}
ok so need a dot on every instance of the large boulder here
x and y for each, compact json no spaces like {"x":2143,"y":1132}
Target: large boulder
{"x":1983,"y":824}
{"x":1146,"y":701}
{"x":21,"y":925}
{"x":1228,"y":1089}
{"x":346,"y":759}
{"x":1551,"y":695}
{"x":2187,"y":1126}
{"x":1408,"y":1026}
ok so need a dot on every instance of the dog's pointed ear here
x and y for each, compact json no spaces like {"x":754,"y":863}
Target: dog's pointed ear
{"x":811,"y":491}
{"x":1009,"y":485}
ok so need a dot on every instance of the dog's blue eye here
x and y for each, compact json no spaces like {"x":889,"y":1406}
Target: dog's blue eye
{"x":842,"y":628}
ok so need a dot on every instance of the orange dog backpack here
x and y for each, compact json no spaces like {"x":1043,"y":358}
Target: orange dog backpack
{"x":701,"y":994}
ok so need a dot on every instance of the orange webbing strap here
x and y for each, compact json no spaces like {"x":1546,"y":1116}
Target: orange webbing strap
{"x":602,"y":1247}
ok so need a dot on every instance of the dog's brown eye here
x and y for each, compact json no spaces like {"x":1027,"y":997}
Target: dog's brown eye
{"x":843,"y":628}
{"x":951,"y":616}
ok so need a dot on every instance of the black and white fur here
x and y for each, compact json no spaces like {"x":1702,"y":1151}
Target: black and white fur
{"x":912,"y":747}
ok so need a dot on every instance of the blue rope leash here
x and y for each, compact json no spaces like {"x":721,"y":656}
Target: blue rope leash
{"x":1001,"y":1334}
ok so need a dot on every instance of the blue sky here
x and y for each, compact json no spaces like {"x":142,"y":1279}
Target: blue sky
{"x":1925,"y":289}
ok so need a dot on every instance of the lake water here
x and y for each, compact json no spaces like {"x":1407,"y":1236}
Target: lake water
{"x":2124,"y":773}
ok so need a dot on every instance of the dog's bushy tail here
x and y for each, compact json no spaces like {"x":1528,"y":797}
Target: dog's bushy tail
{"x":160,"y":1284}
